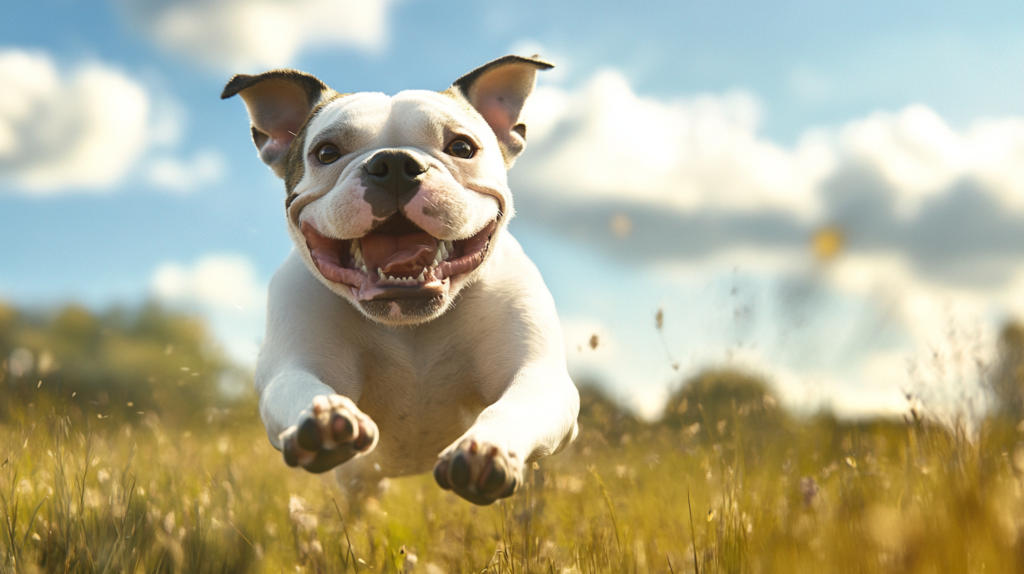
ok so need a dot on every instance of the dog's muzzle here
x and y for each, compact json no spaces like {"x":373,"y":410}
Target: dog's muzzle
{"x":397,"y":259}
{"x":391,"y":178}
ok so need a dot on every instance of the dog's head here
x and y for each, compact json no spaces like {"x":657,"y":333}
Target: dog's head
{"x":393,"y":202}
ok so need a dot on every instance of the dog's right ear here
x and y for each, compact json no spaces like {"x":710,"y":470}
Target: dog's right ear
{"x":278,"y":101}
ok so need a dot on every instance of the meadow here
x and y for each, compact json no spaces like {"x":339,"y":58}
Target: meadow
{"x":94,"y":478}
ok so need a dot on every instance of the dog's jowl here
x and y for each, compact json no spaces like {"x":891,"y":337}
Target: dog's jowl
{"x":407,"y":331}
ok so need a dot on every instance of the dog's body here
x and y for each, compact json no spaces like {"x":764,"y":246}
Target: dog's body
{"x":407,"y":330}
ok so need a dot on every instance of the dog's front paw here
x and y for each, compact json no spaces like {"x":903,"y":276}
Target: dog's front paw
{"x":331,"y":431}
{"x":479,"y":471}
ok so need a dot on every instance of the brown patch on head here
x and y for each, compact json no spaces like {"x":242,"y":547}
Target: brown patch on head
{"x":295,"y":162}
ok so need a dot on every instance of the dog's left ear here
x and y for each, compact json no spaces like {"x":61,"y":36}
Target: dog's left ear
{"x":498,"y":90}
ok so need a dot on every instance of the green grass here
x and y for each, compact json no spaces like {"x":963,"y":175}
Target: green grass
{"x":84,"y":494}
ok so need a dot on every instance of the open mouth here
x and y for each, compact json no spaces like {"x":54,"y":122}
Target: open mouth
{"x":396,"y":259}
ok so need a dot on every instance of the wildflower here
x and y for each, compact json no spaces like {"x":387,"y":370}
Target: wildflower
{"x":25,"y":486}
{"x":299,"y":514}
{"x":808,"y":489}
{"x":169,"y":522}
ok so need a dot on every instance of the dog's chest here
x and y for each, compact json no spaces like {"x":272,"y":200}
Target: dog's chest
{"x":422,"y":395}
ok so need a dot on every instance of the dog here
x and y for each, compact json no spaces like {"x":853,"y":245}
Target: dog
{"x":407,"y":331}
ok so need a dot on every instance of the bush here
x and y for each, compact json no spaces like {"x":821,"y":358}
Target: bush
{"x":119,"y":362}
{"x":726,"y":406}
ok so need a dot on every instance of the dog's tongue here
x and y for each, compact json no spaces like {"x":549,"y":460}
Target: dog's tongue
{"x":401,"y":255}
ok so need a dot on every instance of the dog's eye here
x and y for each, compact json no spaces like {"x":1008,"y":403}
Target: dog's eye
{"x":460,"y":148}
{"x":328,"y":153}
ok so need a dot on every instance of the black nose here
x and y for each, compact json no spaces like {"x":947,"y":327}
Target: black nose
{"x":396,"y":171}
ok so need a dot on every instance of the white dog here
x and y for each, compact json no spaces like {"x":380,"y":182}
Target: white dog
{"x":407,"y":330}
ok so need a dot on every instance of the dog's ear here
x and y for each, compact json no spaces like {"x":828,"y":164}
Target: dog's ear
{"x":278,"y":101}
{"x":498,"y":90}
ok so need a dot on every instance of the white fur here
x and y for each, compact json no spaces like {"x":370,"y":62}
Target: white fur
{"x":492,"y":368}
{"x":485,"y":381}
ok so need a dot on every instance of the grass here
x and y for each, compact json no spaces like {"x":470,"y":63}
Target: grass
{"x":85,"y":494}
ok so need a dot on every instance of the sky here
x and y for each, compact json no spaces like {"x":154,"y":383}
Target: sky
{"x":827,"y":194}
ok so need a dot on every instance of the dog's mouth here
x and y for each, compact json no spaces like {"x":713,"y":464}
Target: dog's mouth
{"x":396,"y":259}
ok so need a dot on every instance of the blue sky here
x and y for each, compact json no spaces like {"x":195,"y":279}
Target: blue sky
{"x":682,"y":156}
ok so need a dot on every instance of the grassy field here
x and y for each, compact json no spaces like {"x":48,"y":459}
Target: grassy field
{"x":118,"y":454}
{"x":129,"y":493}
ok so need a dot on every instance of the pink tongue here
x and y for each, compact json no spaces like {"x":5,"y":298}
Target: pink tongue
{"x":402,"y":255}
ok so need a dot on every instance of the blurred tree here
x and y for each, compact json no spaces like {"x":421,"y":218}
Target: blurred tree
{"x":603,"y":414}
{"x":1006,"y":382}
{"x":714,"y":403}
{"x":118,"y":361}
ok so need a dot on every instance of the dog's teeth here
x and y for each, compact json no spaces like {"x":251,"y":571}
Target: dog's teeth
{"x":364,"y":270}
{"x":420,"y":278}
{"x":437,"y":256}
{"x":380,"y":273}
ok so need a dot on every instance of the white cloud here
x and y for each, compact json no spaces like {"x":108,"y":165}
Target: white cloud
{"x":226,"y":290}
{"x":247,"y":35}
{"x":88,"y":129}
{"x":181,"y":176}
{"x":604,"y":141}
{"x":82,"y":131}
{"x":921,"y":156}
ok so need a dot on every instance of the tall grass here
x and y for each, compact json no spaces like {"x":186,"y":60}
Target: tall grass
{"x":85,"y":494}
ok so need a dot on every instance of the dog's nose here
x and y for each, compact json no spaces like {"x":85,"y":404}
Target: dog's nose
{"x":397,"y":171}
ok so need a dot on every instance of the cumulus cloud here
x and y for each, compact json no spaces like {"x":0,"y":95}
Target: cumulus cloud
{"x":88,"y":129}
{"x":604,"y":141}
{"x":249,"y":35}
{"x":84,"y":130}
{"x":226,"y":291}
{"x":921,"y":157}
{"x":694,"y":178}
